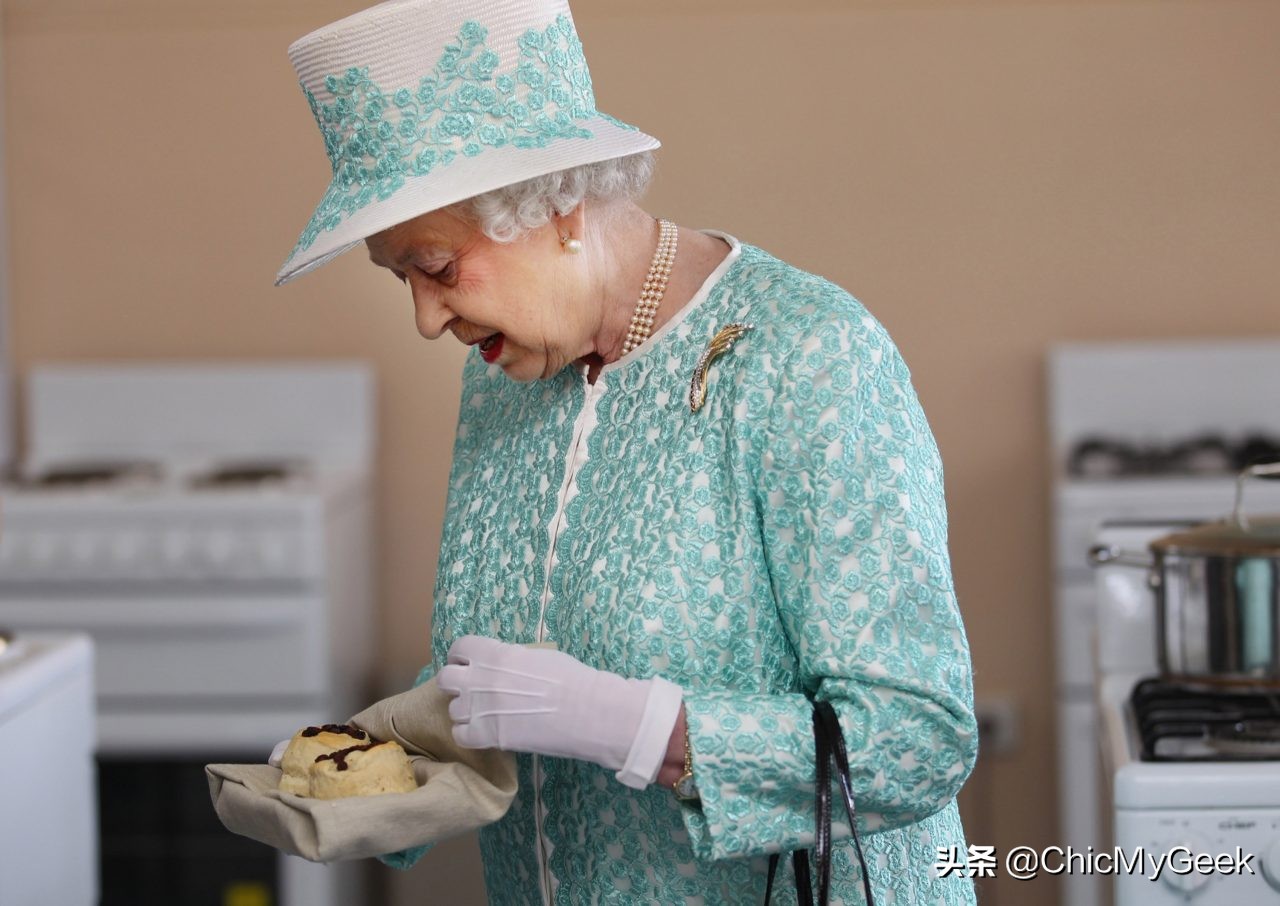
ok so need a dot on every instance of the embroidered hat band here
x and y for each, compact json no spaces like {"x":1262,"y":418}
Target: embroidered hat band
{"x":425,"y":103}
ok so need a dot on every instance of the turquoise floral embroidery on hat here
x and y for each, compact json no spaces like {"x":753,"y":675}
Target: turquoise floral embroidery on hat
{"x":376,"y":139}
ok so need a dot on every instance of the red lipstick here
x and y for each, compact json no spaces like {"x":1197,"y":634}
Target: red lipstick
{"x":491,"y":348}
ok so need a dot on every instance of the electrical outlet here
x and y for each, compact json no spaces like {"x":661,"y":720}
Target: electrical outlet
{"x":998,"y":725}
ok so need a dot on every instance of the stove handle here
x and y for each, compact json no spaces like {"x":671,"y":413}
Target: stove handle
{"x":121,"y":618}
{"x":1109,"y":555}
{"x":1260,"y":470}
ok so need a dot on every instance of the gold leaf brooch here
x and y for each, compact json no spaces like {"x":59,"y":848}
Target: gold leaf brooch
{"x":721,"y":343}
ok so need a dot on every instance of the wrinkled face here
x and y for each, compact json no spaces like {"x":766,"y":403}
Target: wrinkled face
{"x":521,"y":301}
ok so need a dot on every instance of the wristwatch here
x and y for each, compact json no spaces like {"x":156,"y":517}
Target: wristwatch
{"x":684,"y":787}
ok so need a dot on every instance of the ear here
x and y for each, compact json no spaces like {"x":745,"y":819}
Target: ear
{"x":572,"y":224}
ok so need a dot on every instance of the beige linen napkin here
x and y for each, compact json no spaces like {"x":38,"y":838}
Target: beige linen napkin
{"x":459,"y":790}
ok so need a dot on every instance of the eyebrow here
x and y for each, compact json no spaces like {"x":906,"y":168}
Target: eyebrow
{"x":373,"y":258}
{"x":408,"y":253}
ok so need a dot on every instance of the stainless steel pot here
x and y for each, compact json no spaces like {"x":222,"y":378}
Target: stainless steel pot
{"x":1217,"y":593}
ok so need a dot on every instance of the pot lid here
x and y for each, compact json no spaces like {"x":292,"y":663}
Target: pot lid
{"x":1225,"y":538}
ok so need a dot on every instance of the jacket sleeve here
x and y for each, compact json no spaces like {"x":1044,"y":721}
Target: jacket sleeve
{"x":853,"y":521}
{"x":407,"y":858}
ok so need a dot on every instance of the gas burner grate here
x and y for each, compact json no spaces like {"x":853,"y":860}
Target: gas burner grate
{"x":89,"y":474}
{"x":1207,"y":454}
{"x":1187,"y":721}
{"x":247,"y":474}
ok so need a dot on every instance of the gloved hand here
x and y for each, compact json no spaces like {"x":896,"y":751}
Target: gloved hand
{"x":549,"y":703}
{"x":419,"y":720}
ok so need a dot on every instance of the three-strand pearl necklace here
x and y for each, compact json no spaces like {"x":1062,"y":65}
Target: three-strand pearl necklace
{"x":655,"y":286}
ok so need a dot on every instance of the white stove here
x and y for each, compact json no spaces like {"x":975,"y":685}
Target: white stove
{"x":210,"y":528}
{"x":1228,"y":809}
{"x":1141,"y":431}
{"x":1216,"y":808}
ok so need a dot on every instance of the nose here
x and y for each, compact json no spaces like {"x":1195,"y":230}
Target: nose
{"x":430,"y":314}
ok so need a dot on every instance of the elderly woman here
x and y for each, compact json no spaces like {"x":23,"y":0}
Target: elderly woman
{"x":701,"y":473}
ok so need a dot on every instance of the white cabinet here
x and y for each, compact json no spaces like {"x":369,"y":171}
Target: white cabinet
{"x":48,"y":822}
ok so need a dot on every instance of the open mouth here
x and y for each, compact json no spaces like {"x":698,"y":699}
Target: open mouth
{"x":491,"y":348}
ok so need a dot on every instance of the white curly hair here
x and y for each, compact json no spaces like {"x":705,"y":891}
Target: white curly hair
{"x":507,"y":214}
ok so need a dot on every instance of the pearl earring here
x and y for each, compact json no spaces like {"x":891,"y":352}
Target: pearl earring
{"x":572,"y":246}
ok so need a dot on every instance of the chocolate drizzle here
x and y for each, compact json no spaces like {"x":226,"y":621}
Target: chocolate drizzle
{"x":339,"y":757}
{"x":344,"y":729}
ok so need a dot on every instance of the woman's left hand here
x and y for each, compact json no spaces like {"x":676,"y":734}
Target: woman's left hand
{"x":549,"y":703}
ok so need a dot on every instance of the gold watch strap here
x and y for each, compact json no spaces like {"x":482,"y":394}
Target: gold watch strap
{"x":684,"y":787}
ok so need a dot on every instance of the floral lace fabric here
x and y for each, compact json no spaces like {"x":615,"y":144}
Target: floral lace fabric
{"x":786,"y":542}
{"x":377,"y":136}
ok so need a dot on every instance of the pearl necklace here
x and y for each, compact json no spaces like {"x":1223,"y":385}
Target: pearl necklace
{"x":655,"y":286}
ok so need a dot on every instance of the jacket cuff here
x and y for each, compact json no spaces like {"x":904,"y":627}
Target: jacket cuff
{"x":649,"y":749}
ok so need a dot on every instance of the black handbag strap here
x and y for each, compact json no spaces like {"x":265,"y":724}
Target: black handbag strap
{"x":823,"y":712}
{"x":822,"y":807}
{"x":800,"y":861}
{"x":828,"y":746}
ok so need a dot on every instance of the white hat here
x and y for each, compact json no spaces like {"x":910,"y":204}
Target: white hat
{"x":425,"y":103}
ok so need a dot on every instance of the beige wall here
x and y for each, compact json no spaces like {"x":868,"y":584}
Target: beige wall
{"x":987,"y":177}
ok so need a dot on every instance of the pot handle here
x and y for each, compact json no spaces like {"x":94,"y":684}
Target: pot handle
{"x":1107,"y":555}
{"x":1261,"y":470}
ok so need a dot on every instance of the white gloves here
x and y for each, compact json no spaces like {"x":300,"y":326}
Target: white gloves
{"x":542,"y":701}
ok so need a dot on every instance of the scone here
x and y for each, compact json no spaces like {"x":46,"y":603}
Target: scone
{"x":309,"y":744}
{"x":365,"y":770}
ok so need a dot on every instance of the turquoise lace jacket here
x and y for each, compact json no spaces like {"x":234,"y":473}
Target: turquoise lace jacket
{"x":786,"y":542}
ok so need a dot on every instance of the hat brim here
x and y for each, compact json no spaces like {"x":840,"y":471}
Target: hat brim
{"x":466,"y":177}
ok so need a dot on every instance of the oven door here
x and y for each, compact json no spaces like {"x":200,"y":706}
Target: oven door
{"x":192,"y":672}
{"x":156,"y":647}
